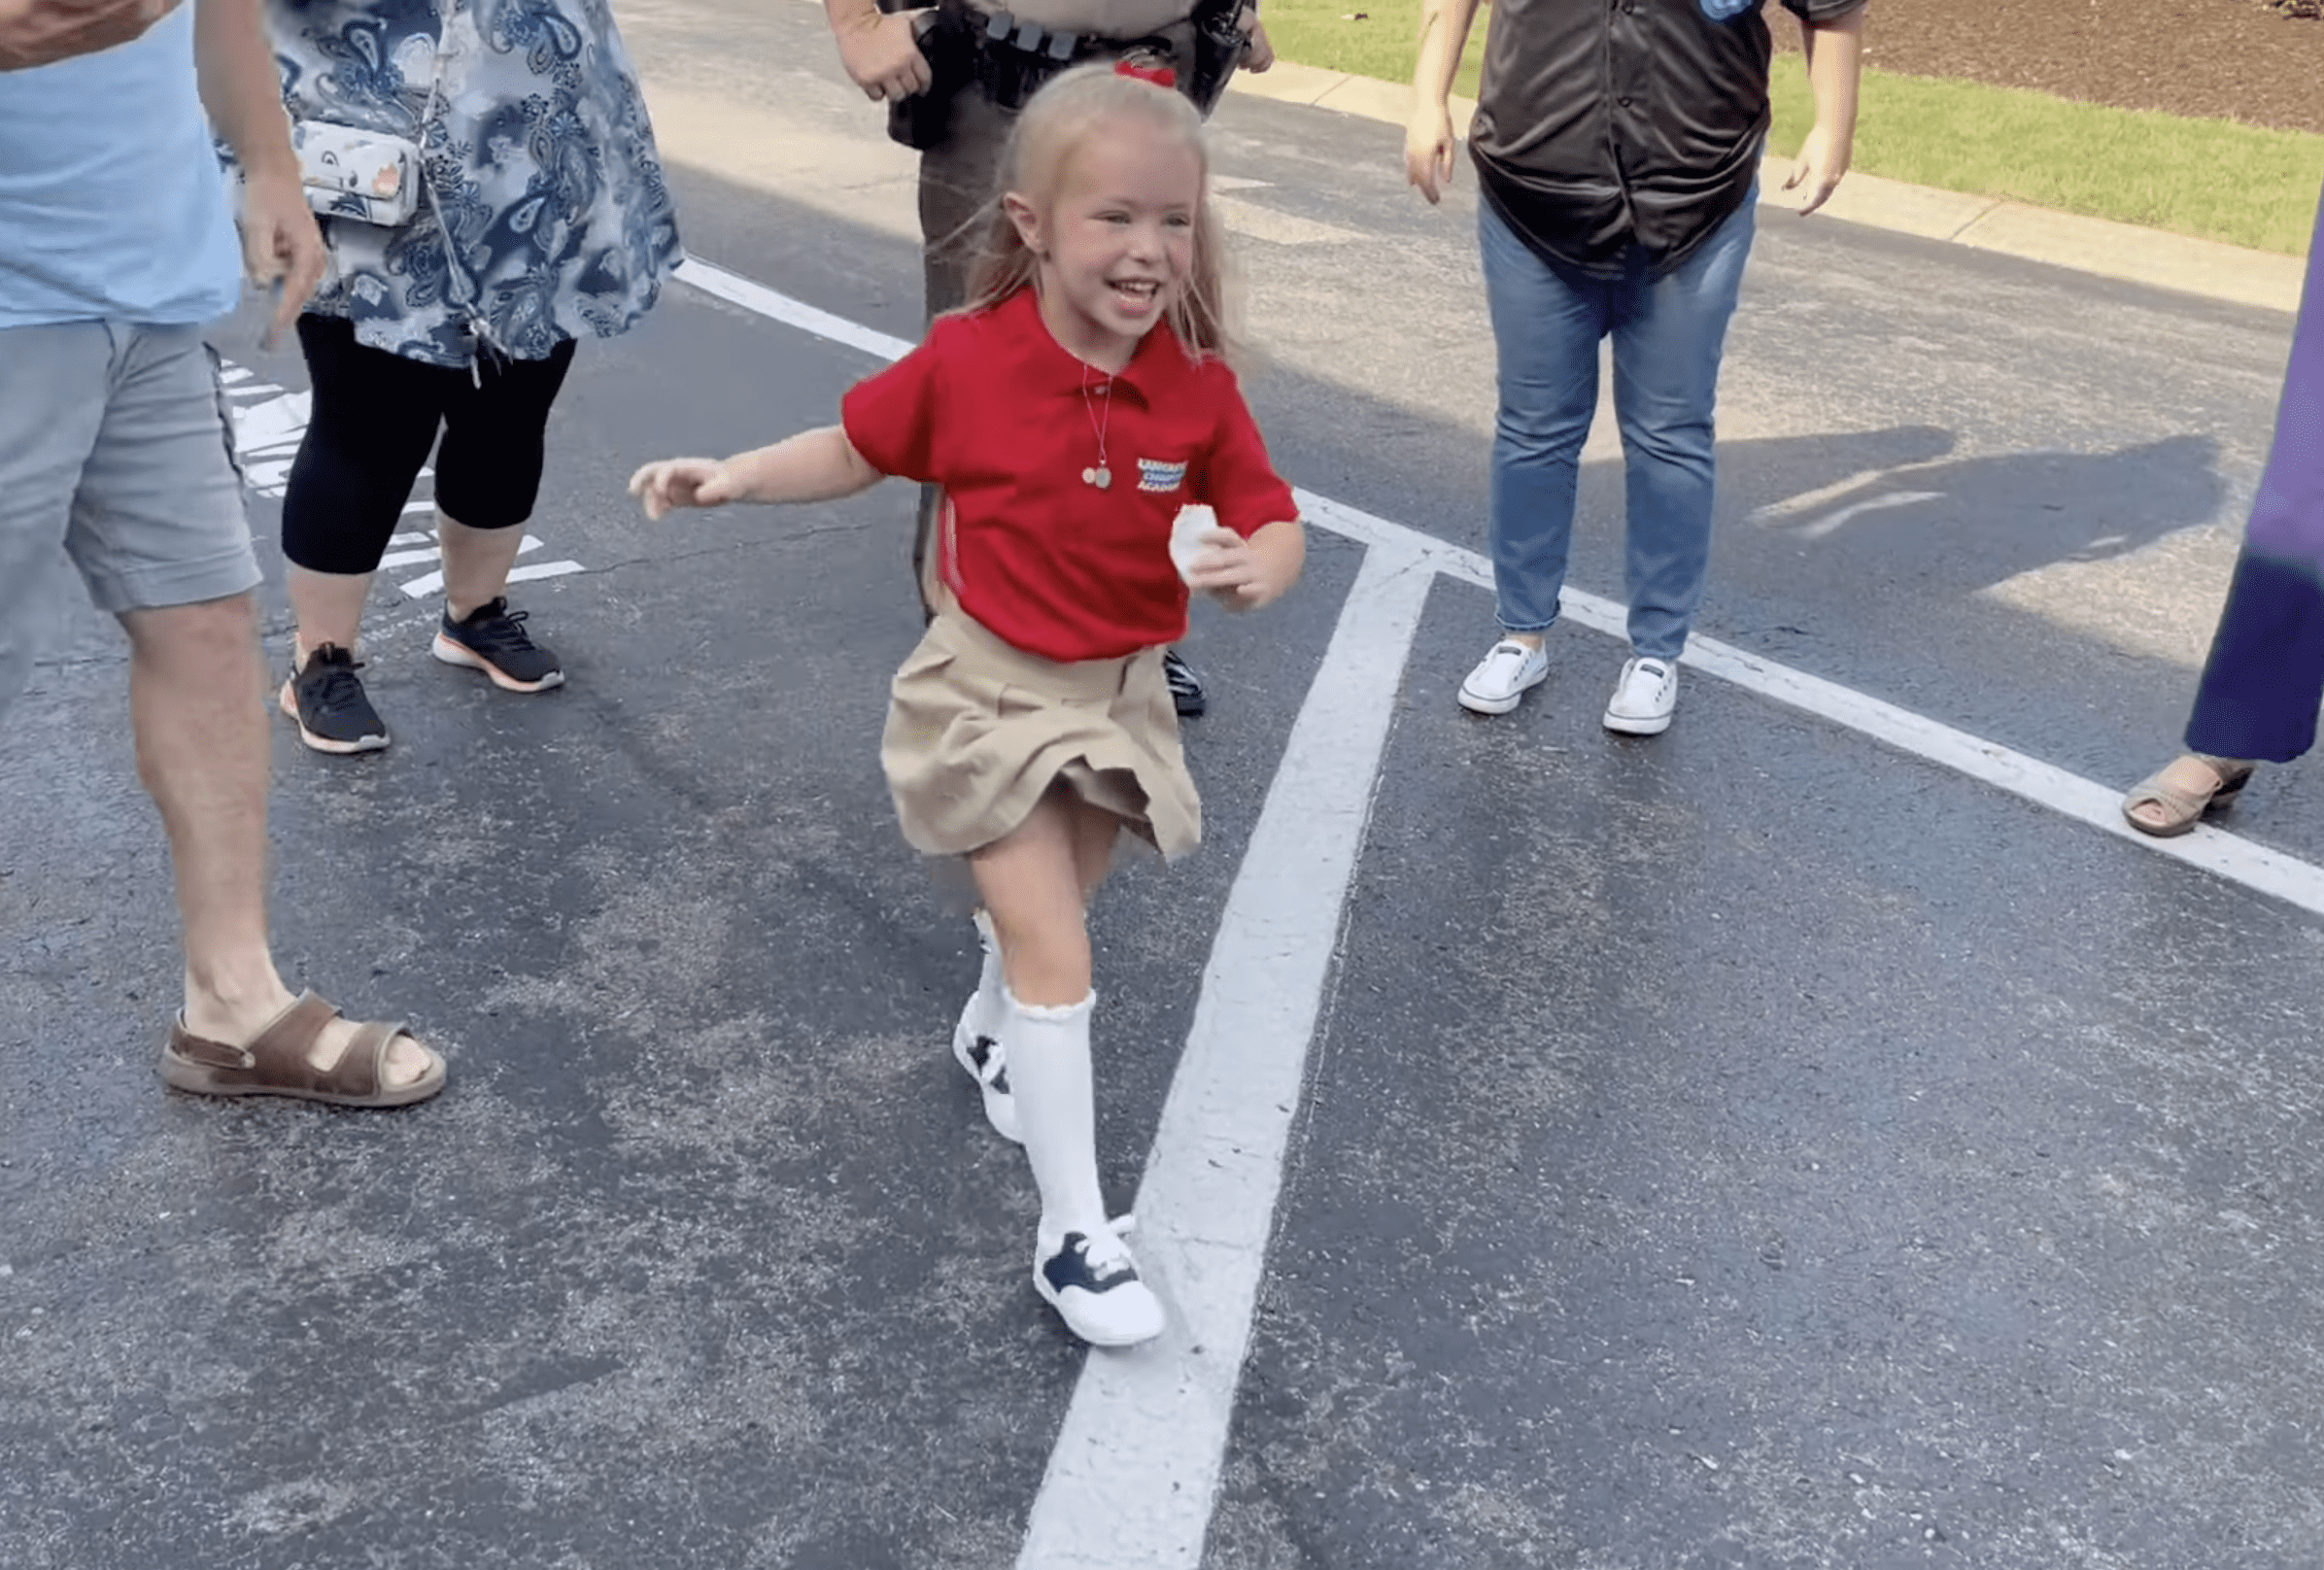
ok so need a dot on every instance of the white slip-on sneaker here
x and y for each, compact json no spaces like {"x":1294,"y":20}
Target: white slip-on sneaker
{"x":1502,"y":676}
{"x":987,"y":1062}
{"x":1643,"y":697}
{"x":1091,"y":1279}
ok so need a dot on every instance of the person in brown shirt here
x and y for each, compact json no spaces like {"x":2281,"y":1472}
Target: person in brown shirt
{"x":1617,"y":146}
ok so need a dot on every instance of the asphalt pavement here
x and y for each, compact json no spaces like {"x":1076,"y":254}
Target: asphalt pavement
{"x":1762,"y":1145}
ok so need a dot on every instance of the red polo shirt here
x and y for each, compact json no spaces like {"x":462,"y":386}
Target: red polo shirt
{"x":996,"y":411}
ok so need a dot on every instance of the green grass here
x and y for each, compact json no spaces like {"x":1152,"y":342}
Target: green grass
{"x":2244,"y":185}
{"x":2213,"y":179}
{"x":1315,"y":32}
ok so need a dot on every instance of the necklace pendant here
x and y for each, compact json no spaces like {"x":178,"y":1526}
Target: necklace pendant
{"x":1100,"y":476}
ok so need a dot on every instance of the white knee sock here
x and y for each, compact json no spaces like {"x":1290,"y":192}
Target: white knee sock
{"x":1048,"y":1068}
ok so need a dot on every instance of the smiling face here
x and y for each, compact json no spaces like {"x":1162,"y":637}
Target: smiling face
{"x":1117,"y":243}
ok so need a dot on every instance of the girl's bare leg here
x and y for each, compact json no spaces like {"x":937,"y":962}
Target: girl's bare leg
{"x":1094,"y":829}
{"x":1030,"y":885}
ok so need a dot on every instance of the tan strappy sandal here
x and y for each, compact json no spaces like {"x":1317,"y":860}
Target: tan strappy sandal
{"x":275,"y":1063}
{"x":2183,"y":809}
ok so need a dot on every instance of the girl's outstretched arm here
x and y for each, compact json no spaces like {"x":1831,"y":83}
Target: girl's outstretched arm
{"x":814,"y":466}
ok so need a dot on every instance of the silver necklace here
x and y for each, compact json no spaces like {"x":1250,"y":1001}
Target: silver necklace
{"x":1099,"y":475}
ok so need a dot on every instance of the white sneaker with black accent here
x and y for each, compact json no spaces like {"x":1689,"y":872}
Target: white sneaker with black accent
{"x":1644,"y":698}
{"x":986,"y":1059}
{"x":1502,"y":676}
{"x":1091,"y":1279}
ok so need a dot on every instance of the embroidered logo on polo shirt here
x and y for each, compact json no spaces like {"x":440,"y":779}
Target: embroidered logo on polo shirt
{"x":1156,"y":475}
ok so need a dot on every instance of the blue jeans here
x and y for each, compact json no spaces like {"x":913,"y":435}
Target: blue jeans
{"x":1669,"y":332}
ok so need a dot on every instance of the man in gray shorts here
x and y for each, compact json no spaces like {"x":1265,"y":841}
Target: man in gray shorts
{"x":116,"y":245}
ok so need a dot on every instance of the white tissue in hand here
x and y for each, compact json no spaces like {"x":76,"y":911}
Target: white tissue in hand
{"x":1190,"y":535}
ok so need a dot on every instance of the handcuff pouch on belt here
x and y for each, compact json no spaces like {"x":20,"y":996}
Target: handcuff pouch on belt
{"x":1008,"y":60}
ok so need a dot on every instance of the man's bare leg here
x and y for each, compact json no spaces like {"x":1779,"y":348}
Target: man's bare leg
{"x":195,"y":678}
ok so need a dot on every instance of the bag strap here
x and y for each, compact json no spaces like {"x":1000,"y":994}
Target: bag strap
{"x":460,"y":291}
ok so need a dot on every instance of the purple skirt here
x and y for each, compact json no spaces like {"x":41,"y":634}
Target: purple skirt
{"x":2265,"y":679}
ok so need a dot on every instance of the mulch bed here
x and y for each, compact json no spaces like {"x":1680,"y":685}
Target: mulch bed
{"x":2247,"y":60}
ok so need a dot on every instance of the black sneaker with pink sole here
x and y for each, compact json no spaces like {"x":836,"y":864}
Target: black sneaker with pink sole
{"x":326,"y":699}
{"x":492,"y":638}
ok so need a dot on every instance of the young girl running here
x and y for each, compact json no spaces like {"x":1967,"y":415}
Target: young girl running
{"x":1069,"y":412}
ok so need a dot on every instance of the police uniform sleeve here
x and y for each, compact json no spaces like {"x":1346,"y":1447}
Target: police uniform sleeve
{"x":895,"y":416}
{"x":1235,"y":478}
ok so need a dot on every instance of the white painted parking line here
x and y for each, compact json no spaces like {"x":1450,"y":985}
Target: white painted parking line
{"x":433,"y":583}
{"x":545,"y":569}
{"x":760,"y":300}
{"x":2086,"y":800}
{"x":425,"y":549}
{"x":1136,"y":1466}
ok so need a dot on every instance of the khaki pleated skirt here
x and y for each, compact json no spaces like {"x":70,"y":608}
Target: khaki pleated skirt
{"x":978,"y":731}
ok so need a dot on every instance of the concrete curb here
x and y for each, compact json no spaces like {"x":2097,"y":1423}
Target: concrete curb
{"x":2091,"y":245}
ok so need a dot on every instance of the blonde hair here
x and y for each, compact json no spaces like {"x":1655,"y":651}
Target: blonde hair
{"x":1053,"y":127}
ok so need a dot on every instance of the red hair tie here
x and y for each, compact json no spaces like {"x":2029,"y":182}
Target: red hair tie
{"x":1161,"y":76}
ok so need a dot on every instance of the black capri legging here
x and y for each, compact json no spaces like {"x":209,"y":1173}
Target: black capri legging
{"x":375,"y":416}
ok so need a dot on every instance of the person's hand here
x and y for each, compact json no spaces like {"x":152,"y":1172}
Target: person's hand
{"x":684,"y":482}
{"x":42,"y":32}
{"x":1234,"y":574}
{"x":1816,"y":173}
{"x":882,"y":56}
{"x":1258,"y":52}
{"x":282,"y":249}
{"x":1428,"y":149}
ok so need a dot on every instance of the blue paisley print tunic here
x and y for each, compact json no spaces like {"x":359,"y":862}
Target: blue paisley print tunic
{"x":537,"y":156}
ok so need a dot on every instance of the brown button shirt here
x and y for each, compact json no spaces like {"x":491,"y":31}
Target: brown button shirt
{"x":1607,"y":124}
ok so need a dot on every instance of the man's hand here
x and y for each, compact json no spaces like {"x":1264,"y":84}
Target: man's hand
{"x":1258,"y":52}
{"x":1816,"y":173}
{"x":281,"y":244}
{"x":42,"y":32}
{"x":880,"y":54}
{"x":1836,"y":54}
{"x":1428,"y":149}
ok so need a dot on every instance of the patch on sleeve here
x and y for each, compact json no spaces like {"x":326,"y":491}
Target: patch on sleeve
{"x":1156,"y":475}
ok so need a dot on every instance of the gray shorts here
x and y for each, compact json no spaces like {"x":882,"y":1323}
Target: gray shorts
{"x":115,"y":444}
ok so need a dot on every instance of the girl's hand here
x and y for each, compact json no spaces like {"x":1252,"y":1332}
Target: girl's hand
{"x":1236,"y":575}
{"x":684,"y":482}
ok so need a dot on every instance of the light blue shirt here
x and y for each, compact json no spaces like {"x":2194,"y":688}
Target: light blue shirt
{"x":111,"y":202}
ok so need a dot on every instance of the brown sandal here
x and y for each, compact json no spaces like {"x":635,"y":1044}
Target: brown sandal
{"x":275,"y":1063}
{"x":2183,"y":809}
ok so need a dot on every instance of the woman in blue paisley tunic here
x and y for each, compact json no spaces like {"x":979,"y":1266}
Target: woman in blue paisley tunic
{"x":537,"y":161}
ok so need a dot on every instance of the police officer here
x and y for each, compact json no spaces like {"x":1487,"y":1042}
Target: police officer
{"x":953,"y":76}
